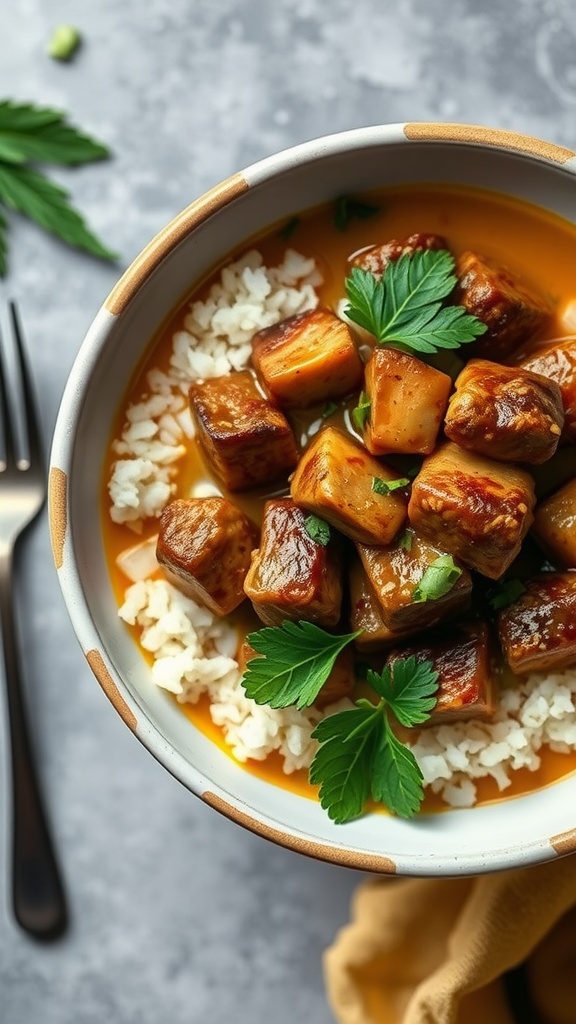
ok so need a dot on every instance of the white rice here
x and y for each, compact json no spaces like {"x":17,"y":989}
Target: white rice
{"x":216,"y":340}
{"x":194,"y":651}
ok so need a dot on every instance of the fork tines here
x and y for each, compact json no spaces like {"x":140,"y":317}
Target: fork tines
{"x":19,"y":445}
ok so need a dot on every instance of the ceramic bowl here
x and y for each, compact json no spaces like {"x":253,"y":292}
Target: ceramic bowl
{"x":514,"y":832}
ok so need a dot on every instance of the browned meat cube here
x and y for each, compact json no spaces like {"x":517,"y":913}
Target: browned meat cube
{"x":505,"y":412}
{"x":465,"y":669}
{"x":246,"y":440}
{"x":204,"y":547}
{"x":477,"y":509}
{"x":376,"y":258}
{"x":366,"y":614}
{"x":340,"y":682}
{"x":334,"y":480}
{"x":538,"y":631}
{"x":558,"y":362}
{"x":307,"y":358}
{"x":555,"y":526}
{"x":408,"y":400}
{"x":395,"y":572}
{"x":291,"y":575}
{"x":512,"y":312}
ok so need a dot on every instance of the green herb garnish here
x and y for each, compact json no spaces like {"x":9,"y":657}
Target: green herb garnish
{"x":505,"y":594}
{"x":42,"y":135}
{"x":405,"y":306}
{"x":346,"y":208}
{"x":387,"y":486}
{"x":405,"y":540}
{"x":329,"y":409}
{"x":360,"y":756}
{"x":289,"y":228}
{"x":361,"y":413}
{"x":64,"y":42}
{"x":439,"y":578}
{"x":318,"y":529}
{"x":297,"y":659}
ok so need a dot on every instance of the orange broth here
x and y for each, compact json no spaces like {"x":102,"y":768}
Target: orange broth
{"x":540,"y":247}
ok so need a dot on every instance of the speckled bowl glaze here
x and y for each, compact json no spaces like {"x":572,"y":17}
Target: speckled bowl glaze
{"x":511,"y":833}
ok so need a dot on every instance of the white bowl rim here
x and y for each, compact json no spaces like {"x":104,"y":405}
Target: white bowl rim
{"x":128,"y":285}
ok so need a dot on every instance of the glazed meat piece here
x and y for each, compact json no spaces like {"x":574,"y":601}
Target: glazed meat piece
{"x":334,"y":480}
{"x":476,"y":508}
{"x":204,"y":547}
{"x":555,"y":526}
{"x":307,"y":358}
{"x":558,"y":362}
{"x":463,"y":660}
{"x":408,"y":400}
{"x":395,"y":572}
{"x":366,"y":614}
{"x":291,"y":575}
{"x":246,"y":440}
{"x":538,"y":631}
{"x":512,"y":313}
{"x":505,"y":412}
{"x":377,"y":257}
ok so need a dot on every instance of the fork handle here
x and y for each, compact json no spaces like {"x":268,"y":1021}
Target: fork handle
{"x":37,"y":891}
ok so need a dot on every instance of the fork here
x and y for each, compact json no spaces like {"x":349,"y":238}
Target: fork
{"x":37,"y":891}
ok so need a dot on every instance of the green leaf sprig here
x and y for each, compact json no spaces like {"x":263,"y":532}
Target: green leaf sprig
{"x":505,"y":593}
{"x":380,"y":486}
{"x":438,"y":579}
{"x":361,"y":412}
{"x":30,"y":135}
{"x":346,"y":208}
{"x":361,"y":757}
{"x":318,"y":529}
{"x":407,"y":304}
{"x":297,"y":658}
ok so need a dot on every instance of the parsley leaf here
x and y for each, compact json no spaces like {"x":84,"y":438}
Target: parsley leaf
{"x":505,"y":594}
{"x":318,"y":529}
{"x":380,"y":486}
{"x":297,"y":659}
{"x":360,"y":756}
{"x":346,"y":208}
{"x":405,"y":305}
{"x":439,"y":578}
{"x":42,"y":135}
{"x":329,"y":409}
{"x":361,"y":413}
{"x":405,"y":540}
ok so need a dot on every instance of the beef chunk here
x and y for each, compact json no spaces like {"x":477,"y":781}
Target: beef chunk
{"x":307,"y":358}
{"x":376,"y":258}
{"x":558,"y":362}
{"x":334,"y":480}
{"x":395,"y":572}
{"x":476,"y":508}
{"x":246,"y":441}
{"x":204,"y":547}
{"x":538,"y":631}
{"x":512,"y":312}
{"x":408,"y":400}
{"x":293,"y":576}
{"x":366,"y":614}
{"x":463,"y":660}
{"x":505,"y":412}
{"x":555,"y":525}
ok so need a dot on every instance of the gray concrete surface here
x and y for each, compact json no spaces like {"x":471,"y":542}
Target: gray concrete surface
{"x":178,"y":915}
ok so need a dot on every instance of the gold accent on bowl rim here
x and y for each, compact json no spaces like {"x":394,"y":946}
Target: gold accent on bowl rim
{"x":152,"y":255}
{"x":96,"y":662}
{"x":58,"y":513}
{"x":564,"y":842}
{"x":479,"y":135}
{"x":320,"y":851}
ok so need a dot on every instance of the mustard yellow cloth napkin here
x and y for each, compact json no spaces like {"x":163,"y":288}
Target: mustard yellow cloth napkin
{"x":433,"y":951}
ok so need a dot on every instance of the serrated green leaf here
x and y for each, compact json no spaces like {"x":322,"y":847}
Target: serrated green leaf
{"x":44,"y":136}
{"x":408,"y":687}
{"x":297,"y":658}
{"x":342,"y":766}
{"x":406,"y":305}
{"x":396,"y":776}
{"x":30,"y":193}
{"x":437,"y":580}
